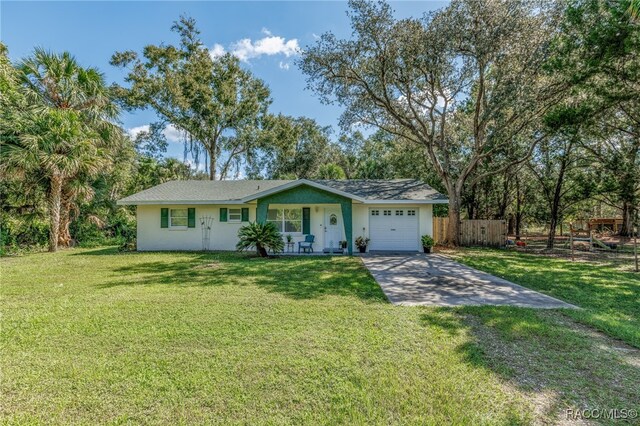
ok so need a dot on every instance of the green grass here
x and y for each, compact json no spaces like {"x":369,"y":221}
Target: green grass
{"x":94,"y":336}
{"x":610,"y":298}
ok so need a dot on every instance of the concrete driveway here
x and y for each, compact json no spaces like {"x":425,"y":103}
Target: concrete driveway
{"x":436,"y":280}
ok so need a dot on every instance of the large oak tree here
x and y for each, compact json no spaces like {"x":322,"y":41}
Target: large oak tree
{"x":465,"y":84}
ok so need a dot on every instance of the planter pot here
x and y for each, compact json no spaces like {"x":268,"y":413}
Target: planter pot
{"x":428,"y":249}
{"x":362,"y":249}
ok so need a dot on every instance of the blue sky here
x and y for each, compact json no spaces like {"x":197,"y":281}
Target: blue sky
{"x":265,"y":35}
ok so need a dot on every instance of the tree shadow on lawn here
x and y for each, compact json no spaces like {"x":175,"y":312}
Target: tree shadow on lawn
{"x":556,"y":362}
{"x":295,"y":277}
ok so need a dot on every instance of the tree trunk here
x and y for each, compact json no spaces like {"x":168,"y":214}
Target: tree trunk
{"x":453,"y":227}
{"x":212,"y":166}
{"x":557,"y":197}
{"x":471,"y":206}
{"x":519,"y":214}
{"x":55,"y":192}
{"x":64,"y":235}
{"x":553,"y":224}
{"x":626,"y":230}
{"x":551,"y":238}
{"x":261,"y":250}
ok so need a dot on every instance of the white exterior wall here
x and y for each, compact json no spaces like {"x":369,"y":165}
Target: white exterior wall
{"x":361,"y":218}
{"x":224,"y":235}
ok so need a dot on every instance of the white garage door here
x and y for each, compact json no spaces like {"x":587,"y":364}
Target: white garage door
{"x":393,"y":229}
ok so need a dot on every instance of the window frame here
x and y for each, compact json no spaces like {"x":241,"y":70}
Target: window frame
{"x":231,"y":212}
{"x":283,"y":221}
{"x":186,"y":218}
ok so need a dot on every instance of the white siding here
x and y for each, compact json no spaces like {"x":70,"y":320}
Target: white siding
{"x":224,"y":235}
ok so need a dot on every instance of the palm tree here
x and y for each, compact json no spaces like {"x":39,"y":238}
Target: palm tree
{"x":69,"y":129}
{"x":262,"y":236}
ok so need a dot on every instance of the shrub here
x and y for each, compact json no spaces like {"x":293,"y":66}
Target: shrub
{"x":261,"y":236}
{"x":427,"y":241}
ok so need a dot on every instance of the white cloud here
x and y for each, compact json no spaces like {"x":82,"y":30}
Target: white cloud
{"x":216,"y":51}
{"x":133,"y":132}
{"x":284,"y":65}
{"x":316,"y":36}
{"x":266,"y":31}
{"x":170,"y":132}
{"x":246,"y":49}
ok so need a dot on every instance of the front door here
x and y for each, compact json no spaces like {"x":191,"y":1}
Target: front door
{"x":332,"y":228}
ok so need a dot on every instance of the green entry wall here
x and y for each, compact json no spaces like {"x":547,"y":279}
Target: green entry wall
{"x":309,"y":196}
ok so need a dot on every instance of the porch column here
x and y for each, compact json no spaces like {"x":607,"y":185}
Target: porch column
{"x":347,"y":219}
{"x":261,"y":211}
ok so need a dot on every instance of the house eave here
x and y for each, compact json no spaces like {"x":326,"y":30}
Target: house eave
{"x":439,"y":201}
{"x":176,"y":202}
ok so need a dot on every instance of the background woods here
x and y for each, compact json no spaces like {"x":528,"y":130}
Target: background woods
{"x":520,"y":111}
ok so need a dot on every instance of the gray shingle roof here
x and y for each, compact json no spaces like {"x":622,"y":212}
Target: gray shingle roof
{"x":200,"y":191}
{"x":378,"y":189}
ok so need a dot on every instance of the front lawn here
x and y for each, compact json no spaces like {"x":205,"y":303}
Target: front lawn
{"x":610,"y":298}
{"x":94,"y":336}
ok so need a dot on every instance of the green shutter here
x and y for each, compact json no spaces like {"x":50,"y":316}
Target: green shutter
{"x":245,"y":214}
{"x":191,"y":217}
{"x":306,"y":220}
{"x":223,"y":214}
{"x":164,"y":218}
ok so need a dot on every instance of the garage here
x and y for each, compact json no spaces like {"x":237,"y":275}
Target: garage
{"x":394,"y":229}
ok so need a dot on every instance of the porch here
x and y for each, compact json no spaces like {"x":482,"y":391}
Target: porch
{"x":305,"y":210}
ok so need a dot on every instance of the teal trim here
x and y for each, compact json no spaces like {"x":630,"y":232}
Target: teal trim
{"x":308,"y":195}
{"x":191,"y":217}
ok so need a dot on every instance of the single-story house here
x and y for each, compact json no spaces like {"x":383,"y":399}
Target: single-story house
{"x":392,"y":213}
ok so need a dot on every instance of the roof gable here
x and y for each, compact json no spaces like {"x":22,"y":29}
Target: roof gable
{"x":300,"y":182}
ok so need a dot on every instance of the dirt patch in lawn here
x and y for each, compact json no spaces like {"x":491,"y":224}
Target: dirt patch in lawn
{"x":211,"y":265}
{"x":559,"y":364}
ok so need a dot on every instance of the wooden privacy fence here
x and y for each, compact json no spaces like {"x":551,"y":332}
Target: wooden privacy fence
{"x":440,"y":229}
{"x":473,"y":232}
{"x":483,"y":233}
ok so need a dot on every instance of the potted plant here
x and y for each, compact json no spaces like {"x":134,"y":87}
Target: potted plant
{"x":362,"y":243}
{"x":289,"y":238}
{"x":343,"y":244}
{"x":427,"y":243}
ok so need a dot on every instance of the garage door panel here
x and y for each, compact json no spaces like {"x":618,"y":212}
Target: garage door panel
{"x":393,"y":229}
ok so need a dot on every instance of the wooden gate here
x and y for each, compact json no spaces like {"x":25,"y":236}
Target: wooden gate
{"x":483,"y":233}
{"x":473,"y":232}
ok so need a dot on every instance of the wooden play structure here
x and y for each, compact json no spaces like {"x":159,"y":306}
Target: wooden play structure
{"x":602,"y":224}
